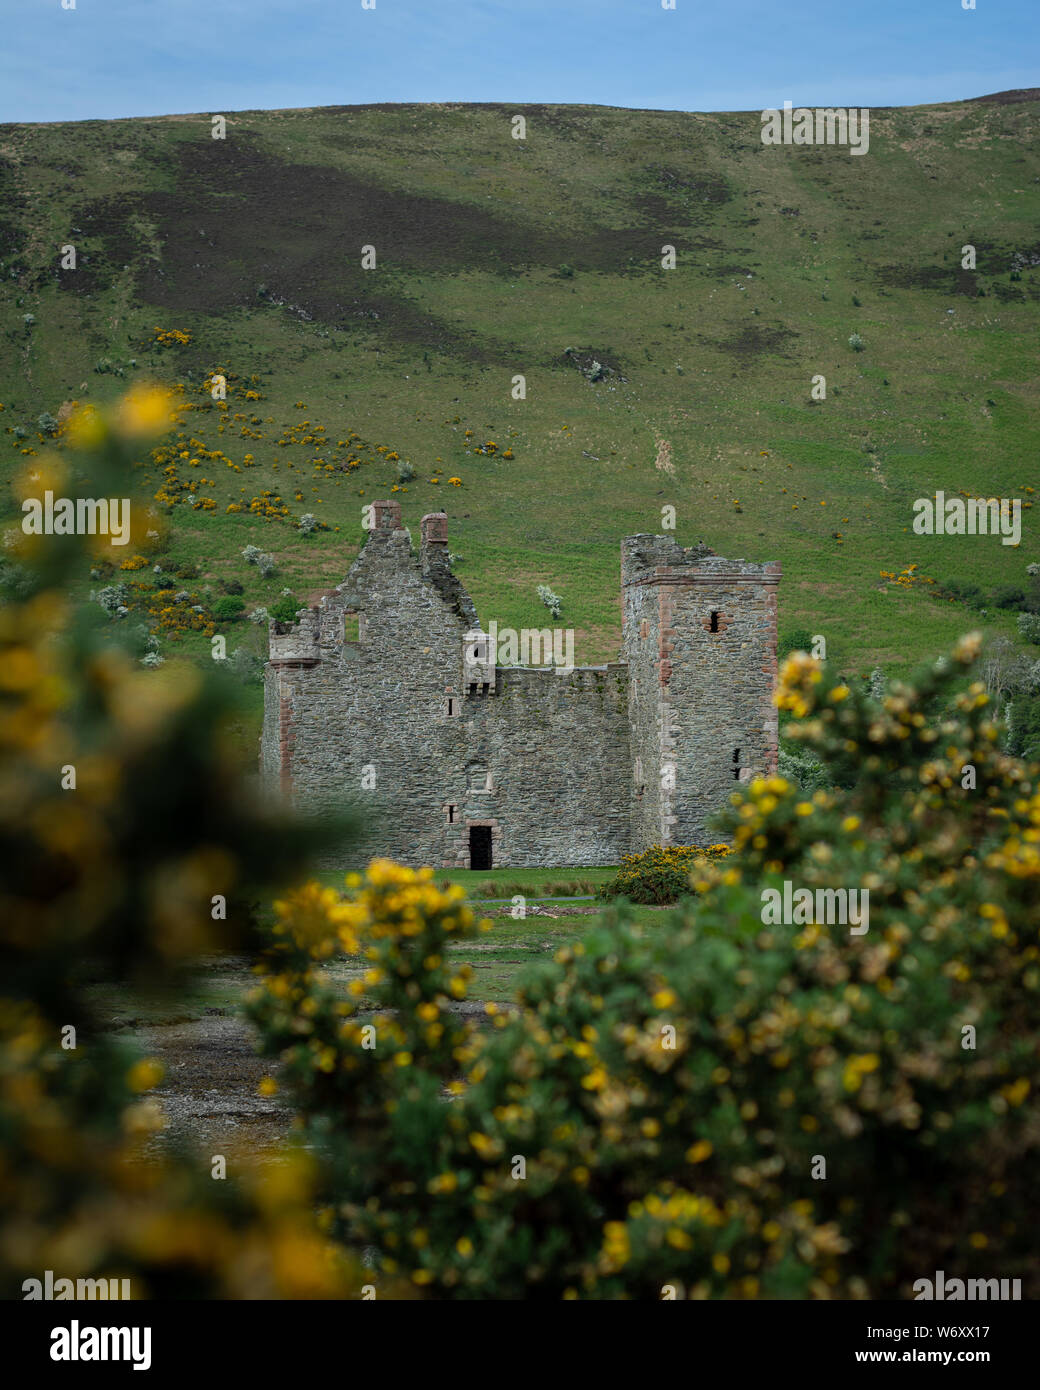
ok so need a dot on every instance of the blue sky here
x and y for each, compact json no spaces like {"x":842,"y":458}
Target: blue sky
{"x":110,"y":58}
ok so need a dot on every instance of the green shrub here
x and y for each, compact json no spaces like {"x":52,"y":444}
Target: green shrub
{"x":228,"y":608}
{"x":285,"y":609}
{"x":798,"y":639}
{"x":965,"y":591}
{"x":803,"y":770}
{"x":1009,"y":596}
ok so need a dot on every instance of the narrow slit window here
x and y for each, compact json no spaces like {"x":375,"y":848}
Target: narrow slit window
{"x":451,"y":815}
{"x":714,"y":620}
{"x":451,"y":708}
{"x":736,"y":764}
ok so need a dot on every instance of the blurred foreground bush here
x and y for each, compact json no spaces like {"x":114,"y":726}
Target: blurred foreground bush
{"x":129,"y":842}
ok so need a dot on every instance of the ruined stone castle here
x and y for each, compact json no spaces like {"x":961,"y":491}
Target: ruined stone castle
{"x":386,"y":695}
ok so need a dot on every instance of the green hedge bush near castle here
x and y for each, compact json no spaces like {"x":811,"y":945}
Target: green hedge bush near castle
{"x":713,"y":1107}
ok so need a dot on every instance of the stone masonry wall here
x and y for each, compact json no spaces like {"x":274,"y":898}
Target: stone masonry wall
{"x":556,"y":751}
{"x":393,"y":709}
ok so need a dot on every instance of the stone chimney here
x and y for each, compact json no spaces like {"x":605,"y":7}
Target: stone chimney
{"x":386,"y":516}
{"x":434,"y":552}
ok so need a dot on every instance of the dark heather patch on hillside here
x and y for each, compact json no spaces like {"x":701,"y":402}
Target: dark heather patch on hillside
{"x":1013,"y":294}
{"x":753,"y":341}
{"x":12,"y":205}
{"x":407,"y":323}
{"x":263,"y":212}
{"x":672,"y":198}
{"x":943,"y":279}
{"x":109,"y":220}
{"x":690,"y":189}
{"x":992,"y":258}
{"x":233,"y":218}
{"x":71,"y":168}
{"x":1010,"y":98}
{"x":85,"y":279}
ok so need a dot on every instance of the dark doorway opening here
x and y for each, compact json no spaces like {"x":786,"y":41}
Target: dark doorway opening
{"x":480,"y":847}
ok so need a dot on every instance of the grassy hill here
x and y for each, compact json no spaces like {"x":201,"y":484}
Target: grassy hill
{"x":497,"y":257}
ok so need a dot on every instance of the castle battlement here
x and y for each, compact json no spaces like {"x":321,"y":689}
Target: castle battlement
{"x":564,"y":766}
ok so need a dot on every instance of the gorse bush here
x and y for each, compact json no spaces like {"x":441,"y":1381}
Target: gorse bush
{"x":122,"y":823}
{"x":657,"y":1109}
{"x":660,"y":874}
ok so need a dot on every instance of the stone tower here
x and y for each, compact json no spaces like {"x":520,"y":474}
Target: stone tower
{"x":700,"y":644}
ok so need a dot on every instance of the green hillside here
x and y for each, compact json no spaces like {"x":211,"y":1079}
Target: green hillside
{"x":497,"y":257}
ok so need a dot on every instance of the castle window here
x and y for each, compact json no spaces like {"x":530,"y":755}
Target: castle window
{"x":351,"y":627}
{"x":714,"y":621}
{"x":736,"y":762}
{"x":452,"y":706}
{"x":451,"y":815}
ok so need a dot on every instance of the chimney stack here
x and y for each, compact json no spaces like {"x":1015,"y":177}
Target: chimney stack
{"x":434,"y":552}
{"x":387,"y":516}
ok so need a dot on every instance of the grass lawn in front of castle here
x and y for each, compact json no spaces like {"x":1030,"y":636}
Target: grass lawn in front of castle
{"x":487,"y":885}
